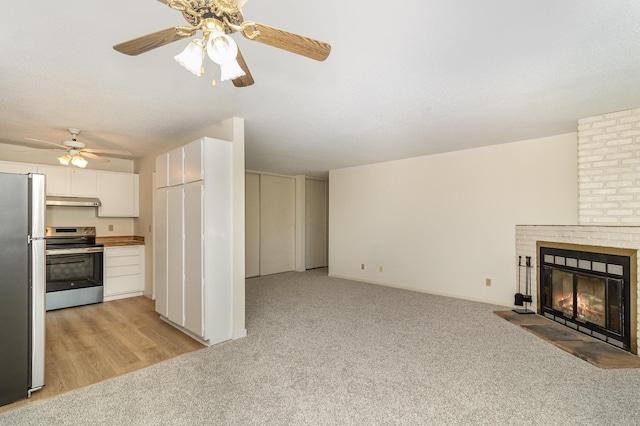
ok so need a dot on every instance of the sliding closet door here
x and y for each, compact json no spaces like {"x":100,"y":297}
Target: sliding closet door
{"x":252,"y":225}
{"x":277,"y":224}
{"x":315,"y":223}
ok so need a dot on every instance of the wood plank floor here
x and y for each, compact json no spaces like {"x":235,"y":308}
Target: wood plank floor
{"x":88,"y":344}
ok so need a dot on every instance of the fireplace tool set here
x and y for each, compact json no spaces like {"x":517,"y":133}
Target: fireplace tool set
{"x":524,"y":299}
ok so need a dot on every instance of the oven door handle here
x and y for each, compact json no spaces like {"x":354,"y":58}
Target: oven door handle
{"x":75,"y":251}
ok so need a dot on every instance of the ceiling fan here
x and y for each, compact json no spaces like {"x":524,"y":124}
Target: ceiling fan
{"x":76,"y":151}
{"x":216,"y":19}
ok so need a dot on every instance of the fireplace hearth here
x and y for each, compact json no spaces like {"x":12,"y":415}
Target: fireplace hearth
{"x":587,"y":291}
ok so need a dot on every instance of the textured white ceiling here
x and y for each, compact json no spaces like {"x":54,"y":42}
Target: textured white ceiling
{"x":403,"y":79}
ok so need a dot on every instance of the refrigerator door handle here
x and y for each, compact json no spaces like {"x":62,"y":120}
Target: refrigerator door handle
{"x":38,"y":280}
{"x":38,"y":208}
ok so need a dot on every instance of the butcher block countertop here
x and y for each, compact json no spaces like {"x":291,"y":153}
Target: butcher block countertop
{"x":125,"y":240}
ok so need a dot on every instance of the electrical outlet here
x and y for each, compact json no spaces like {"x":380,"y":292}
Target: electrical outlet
{"x":111,"y":228}
{"x":487,"y":282}
{"x":362,"y":266}
{"x":381,"y":269}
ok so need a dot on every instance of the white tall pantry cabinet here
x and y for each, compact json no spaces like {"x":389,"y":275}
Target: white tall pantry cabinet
{"x":193,"y":257}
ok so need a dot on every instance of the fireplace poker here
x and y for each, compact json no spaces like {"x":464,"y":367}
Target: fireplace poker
{"x":518,"y":297}
{"x":525,"y":299}
{"x":527,"y":286}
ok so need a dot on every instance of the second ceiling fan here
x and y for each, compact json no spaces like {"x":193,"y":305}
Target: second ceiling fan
{"x":216,"y":19}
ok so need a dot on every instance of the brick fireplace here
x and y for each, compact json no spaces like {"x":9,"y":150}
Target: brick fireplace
{"x":608,"y":203}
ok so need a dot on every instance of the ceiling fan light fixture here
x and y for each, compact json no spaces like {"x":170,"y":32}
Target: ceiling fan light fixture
{"x":223,"y":51}
{"x":192,"y":56}
{"x":65,"y":159}
{"x":79,"y":161}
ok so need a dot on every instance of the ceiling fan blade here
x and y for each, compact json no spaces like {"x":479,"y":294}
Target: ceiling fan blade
{"x":247,"y":79}
{"x":57,"y":145}
{"x":151,"y":41}
{"x":94,"y":157}
{"x":281,"y":39}
{"x":106,"y":151}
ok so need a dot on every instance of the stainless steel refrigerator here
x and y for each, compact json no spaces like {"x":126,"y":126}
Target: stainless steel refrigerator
{"x":22,"y":285}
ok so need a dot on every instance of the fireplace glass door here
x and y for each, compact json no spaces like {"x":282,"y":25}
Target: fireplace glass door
{"x":590,"y":300}
{"x":586,"y":291}
{"x":562,"y":291}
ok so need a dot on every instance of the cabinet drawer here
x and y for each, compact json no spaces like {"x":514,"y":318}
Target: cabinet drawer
{"x":116,"y":271}
{"x":122,"y":284}
{"x":122,"y":261}
{"x":123,"y":251}
{"x":111,"y":252}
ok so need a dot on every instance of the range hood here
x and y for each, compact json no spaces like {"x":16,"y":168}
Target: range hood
{"x":72,"y":201}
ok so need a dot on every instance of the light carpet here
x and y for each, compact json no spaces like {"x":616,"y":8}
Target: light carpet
{"x":326,"y":351}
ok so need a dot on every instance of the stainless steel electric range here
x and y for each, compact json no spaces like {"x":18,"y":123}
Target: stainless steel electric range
{"x":74,"y":267}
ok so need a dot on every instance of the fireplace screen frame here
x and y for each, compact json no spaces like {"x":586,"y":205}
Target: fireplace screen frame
{"x":610,"y":269}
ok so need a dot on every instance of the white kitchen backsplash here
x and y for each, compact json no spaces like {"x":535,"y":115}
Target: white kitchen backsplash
{"x":87,"y":216}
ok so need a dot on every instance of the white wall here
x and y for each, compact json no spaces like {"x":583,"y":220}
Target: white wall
{"x":445,"y":223}
{"x":252,"y":226}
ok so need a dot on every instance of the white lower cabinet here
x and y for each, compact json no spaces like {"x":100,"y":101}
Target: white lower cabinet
{"x":193,"y":251}
{"x":123,"y":272}
{"x":193,"y":259}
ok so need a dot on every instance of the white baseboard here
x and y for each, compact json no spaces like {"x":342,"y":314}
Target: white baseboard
{"x":419,"y":290}
{"x":239,"y":334}
{"x":122,"y":296}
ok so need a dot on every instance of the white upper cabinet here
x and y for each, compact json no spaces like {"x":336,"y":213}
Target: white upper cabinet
{"x":84,"y":183}
{"x":58,"y":179}
{"x":181,"y":165}
{"x":176,"y":167}
{"x":11,"y":167}
{"x":193,"y":166}
{"x":66,"y":181}
{"x":118,"y":192}
{"x":162,"y":171}
{"x":119,"y":195}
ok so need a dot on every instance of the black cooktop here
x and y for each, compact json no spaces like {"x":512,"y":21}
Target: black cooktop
{"x":66,"y":246}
